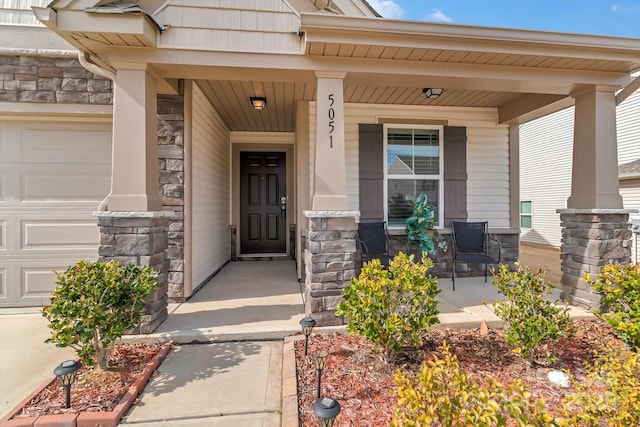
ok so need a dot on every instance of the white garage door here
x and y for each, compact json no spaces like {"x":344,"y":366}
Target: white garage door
{"x":53,"y":175}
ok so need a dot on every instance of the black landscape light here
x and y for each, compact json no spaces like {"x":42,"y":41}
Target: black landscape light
{"x":319,"y":361}
{"x":307,"y":325}
{"x":326,"y":409}
{"x":66,"y":373}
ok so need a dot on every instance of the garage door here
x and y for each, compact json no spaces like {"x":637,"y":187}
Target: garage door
{"x":53,"y":175}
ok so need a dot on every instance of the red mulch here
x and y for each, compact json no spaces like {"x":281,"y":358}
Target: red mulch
{"x":95,"y":390}
{"x":359,"y":379}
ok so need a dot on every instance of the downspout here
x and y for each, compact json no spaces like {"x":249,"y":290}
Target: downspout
{"x":83,"y":57}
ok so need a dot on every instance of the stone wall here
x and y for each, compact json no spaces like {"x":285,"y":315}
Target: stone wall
{"x":51,"y":80}
{"x":591,"y":239}
{"x":171,"y":170}
{"x":330,"y":264}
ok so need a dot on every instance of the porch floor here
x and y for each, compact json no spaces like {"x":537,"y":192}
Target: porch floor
{"x":250,"y":300}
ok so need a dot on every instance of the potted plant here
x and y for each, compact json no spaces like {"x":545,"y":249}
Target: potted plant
{"x":420,"y":226}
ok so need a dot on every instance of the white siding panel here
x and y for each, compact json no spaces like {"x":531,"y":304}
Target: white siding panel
{"x":249,"y":26}
{"x":19,"y":11}
{"x":487,"y":152}
{"x":546,"y":147}
{"x":628,"y":126}
{"x":210,"y":190}
{"x":630,"y":191}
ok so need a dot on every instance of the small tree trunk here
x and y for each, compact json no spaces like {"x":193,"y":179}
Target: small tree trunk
{"x":101,"y":352}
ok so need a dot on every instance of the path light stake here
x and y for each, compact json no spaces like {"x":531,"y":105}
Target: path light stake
{"x":319,"y":361}
{"x":326,"y":409}
{"x":307,"y":325}
{"x":66,"y":373}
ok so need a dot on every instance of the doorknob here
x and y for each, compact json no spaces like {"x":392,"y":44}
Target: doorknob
{"x":283,"y":206}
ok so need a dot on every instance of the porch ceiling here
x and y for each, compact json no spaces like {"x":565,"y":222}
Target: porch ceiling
{"x":231,"y":98}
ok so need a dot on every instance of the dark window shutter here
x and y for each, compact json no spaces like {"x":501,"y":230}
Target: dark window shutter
{"x":455,"y":174}
{"x":371,"y":154}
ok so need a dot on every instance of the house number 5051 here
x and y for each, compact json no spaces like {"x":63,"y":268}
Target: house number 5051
{"x":332,"y":114}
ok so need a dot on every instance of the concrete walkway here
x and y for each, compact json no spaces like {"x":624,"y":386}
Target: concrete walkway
{"x":233,"y":376}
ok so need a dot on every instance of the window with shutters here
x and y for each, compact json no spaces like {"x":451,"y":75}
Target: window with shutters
{"x":414,"y":164}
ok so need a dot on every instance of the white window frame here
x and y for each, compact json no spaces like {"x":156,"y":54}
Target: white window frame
{"x":439,"y":177}
{"x":530,"y":214}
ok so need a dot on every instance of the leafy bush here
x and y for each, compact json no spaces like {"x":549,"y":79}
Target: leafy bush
{"x":95,"y":303}
{"x":611,"y":395}
{"x":420,"y":226}
{"x":531,"y":321}
{"x":391,"y":308}
{"x":619,"y":285}
{"x":440,"y":395}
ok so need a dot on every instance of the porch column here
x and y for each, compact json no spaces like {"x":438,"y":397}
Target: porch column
{"x":133,"y":226}
{"x":329,"y":262}
{"x":329,"y":189}
{"x":134,"y":176}
{"x":595,"y":227}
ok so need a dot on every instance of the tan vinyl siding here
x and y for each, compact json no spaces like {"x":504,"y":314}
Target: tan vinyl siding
{"x":18,"y":12}
{"x":628,"y":126}
{"x":228,"y":25}
{"x":488,"y":182}
{"x":545,"y":173}
{"x":210,"y":190}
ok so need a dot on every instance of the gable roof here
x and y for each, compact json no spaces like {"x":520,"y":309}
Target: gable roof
{"x":629,"y":170}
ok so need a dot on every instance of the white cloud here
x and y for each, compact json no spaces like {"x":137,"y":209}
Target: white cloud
{"x":387,"y":8}
{"x":438,"y":16}
{"x":615,"y":7}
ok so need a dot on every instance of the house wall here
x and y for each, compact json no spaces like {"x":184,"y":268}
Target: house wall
{"x":210,"y":184}
{"x":487,"y":152}
{"x":237,"y":25}
{"x":546,"y":146}
{"x":19,"y":11}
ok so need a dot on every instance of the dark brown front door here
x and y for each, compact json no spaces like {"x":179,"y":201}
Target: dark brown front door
{"x":262,"y":203}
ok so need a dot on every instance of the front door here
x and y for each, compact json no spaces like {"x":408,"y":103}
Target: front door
{"x":263,"y":203}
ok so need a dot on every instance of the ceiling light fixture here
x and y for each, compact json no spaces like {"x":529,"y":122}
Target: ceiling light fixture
{"x":258,"y":102}
{"x":432,"y":92}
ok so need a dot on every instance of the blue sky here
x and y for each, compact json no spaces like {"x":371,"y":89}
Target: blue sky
{"x":604,"y":17}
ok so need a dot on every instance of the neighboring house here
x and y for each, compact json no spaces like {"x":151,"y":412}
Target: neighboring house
{"x":267,"y":129}
{"x":545,"y":170}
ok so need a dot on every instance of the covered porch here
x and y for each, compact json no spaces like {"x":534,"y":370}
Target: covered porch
{"x":333,"y":89}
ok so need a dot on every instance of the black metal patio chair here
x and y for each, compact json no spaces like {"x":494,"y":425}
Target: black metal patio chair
{"x":373,"y":239}
{"x":471,"y":245}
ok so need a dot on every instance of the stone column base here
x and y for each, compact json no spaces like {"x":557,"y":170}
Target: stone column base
{"x":329,"y":262}
{"x":591,"y":239}
{"x":139,"y":238}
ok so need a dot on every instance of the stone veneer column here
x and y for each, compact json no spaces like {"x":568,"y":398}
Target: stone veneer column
{"x":329,"y":262}
{"x":591,"y":238}
{"x":139,"y":238}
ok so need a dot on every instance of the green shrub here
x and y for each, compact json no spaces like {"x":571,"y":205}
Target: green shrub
{"x":619,"y":285}
{"x":441,"y":395}
{"x":95,"y":303}
{"x":391,"y":308}
{"x":611,"y":394}
{"x":531,"y":321}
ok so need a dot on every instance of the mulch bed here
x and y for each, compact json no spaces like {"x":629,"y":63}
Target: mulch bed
{"x":362,"y":382}
{"x":95,"y":390}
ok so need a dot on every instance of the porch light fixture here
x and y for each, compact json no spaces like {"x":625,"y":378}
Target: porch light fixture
{"x":66,"y":373}
{"x":319,"y":362}
{"x":307,"y":325}
{"x":327,"y":410}
{"x":258,"y":102}
{"x":432,"y":92}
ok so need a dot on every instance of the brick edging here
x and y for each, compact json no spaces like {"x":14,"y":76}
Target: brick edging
{"x":89,"y":419}
{"x":289,"y":382}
